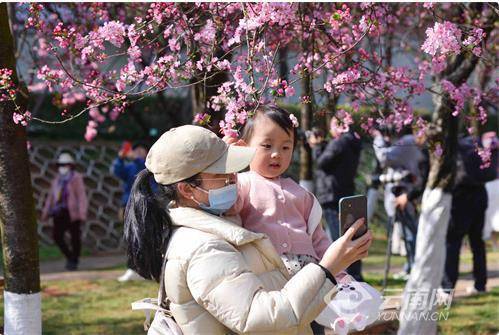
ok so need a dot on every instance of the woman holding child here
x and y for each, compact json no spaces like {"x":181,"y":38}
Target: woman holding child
{"x":219,"y":277}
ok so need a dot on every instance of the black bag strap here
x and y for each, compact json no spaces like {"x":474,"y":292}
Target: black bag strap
{"x":163,"y":301}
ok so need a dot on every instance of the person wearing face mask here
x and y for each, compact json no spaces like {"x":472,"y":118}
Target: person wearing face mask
{"x":215,"y":276}
{"x":67,"y":204}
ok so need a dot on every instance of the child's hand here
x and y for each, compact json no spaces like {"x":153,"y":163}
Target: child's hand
{"x":229,"y":139}
{"x":234,"y":141}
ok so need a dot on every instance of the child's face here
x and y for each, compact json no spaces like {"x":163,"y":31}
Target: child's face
{"x":274,"y":148}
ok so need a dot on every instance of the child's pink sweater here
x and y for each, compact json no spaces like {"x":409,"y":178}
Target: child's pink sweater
{"x":280,"y":208}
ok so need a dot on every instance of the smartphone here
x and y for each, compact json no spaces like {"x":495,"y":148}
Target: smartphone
{"x":352,"y":209}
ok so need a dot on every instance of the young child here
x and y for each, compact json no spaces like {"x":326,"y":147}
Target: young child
{"x":277,"y":206}
{"x":287,"y":213}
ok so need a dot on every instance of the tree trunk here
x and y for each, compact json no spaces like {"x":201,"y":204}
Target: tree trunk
{"x":22,"y":299}
{"x":426,"y":275}
{"x":201,"y":94}
{"x":203,"y":90}
{"x":306,"y":177}
{"x":283,"y":63}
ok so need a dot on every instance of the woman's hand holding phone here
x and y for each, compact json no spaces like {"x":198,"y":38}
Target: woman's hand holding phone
{"x":345,"y":251}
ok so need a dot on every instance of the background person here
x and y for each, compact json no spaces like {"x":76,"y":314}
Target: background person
{"x":336,"y":162}
{"x":405,"y":171}
{"x":67,"y":204}
{"x":491,"y":227}
{"x":469,"y":202}
{"x":130,"y":161}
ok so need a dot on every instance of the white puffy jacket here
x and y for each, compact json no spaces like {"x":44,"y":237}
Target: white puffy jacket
{"x":222,"y":279}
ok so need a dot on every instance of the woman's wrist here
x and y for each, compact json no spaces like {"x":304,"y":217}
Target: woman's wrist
{"x":328,"y":273}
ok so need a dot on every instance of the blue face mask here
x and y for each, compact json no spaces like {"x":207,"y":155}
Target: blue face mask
{"x":221,"y":199}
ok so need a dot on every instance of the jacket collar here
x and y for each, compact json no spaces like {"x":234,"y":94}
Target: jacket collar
{"x":220,"y":226}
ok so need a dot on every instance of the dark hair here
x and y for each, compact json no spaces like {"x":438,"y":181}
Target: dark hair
{"x":140,"y":144}
{"x":148,"y":226}
{"x":277,"y":114}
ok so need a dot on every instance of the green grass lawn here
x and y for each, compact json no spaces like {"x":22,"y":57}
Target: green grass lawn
{"x":103,"y":307}
{"x":92,"y":307}
{"x":473,"y":315}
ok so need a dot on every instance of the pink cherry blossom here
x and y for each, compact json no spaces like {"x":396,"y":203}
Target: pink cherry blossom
{"x":443,"y":38}
{"x":289,"y":91}
{"x":21,"y":119}
{"x":113,"y":32}
{"x":90,"y":131}
{"x":135,"y":53}
{"x":111,"y":49}
{"x":294,"y":120}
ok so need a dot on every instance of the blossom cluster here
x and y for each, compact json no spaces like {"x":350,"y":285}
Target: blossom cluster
{"x":109,"y":56}
{"x":7,"y":91}
{"x":282,"y":89}
{"x":443,"y":38}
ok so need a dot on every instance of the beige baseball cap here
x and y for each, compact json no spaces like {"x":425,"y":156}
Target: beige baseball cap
{"x":185,"y":151}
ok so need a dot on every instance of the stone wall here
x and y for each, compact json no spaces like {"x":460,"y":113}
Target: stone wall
{"x":103,"y":228}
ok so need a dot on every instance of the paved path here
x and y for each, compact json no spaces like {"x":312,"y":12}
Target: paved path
{"x":101,"y":267}
{"x":90,"y":267}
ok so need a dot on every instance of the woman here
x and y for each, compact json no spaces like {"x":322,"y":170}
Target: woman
{"x":220,"y":278}
{"x":67,"y":204}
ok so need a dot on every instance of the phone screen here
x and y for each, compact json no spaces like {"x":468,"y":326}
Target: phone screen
{"x":352,"y":209}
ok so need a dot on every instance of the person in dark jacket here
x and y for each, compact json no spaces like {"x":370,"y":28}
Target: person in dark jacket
{"x":469,"y":202}
{"x":336,"y":162}
{"x":127,"y":172}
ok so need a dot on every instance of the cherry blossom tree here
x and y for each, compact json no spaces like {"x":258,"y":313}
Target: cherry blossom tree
{"x":22,"y":298}
{"x":230,"y":57}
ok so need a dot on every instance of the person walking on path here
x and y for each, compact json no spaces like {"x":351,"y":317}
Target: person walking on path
{"x":204,"y":261}
{"x":127,"y":172}
{"x":67,"y":204}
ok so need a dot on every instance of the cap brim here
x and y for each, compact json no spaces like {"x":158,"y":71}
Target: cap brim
{"x":235,"y":159}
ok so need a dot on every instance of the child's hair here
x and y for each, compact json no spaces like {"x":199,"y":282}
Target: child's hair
{"x":148,"y":225}
{"x":277,"y":114}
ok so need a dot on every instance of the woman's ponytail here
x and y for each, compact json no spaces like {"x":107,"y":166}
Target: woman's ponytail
{"x":147,"y":228}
